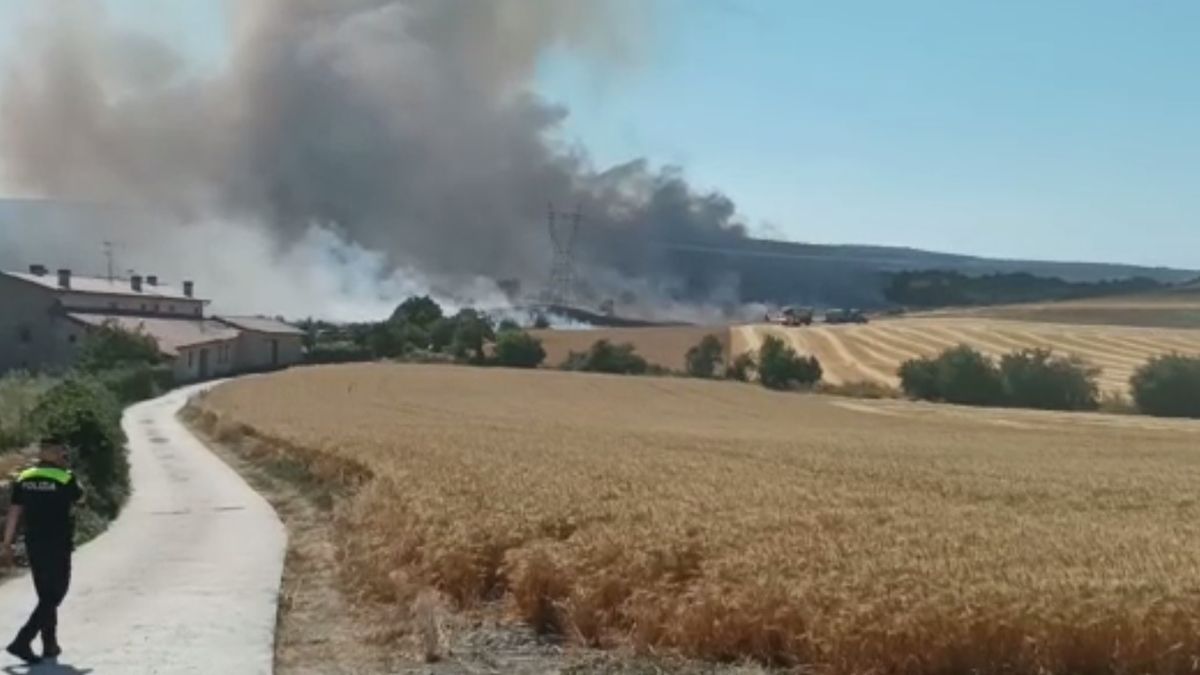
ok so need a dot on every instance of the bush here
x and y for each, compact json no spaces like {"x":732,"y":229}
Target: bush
{"x":110,"y":346}
{"x":780,"y":367}
{"x":441,"y":334}
{"x":958,"y":375}
{"x":1035,"y":378}
{"x":743,"y":368}
{"x":919,"y":379}
{"x":83,"y":414}
{"x":391,"y":339}
{"x":605,"y":357}
{"x":1168,"y":386}
{"x":704,"y":358}
{"x":518,"y":349}
{"x":472,"y":331}
{"x":19,"y":394}
{"x":136,"y":382}
{"x":337,"y":352}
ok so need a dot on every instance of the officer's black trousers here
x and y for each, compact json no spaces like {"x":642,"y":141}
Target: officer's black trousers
{"x":51,"y":568}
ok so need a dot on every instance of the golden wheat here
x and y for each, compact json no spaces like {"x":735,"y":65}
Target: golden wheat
{"x":874,"y":352}
{"x":726,"y":521}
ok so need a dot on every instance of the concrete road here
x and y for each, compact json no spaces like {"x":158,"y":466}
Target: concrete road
{"x":185,"y":581}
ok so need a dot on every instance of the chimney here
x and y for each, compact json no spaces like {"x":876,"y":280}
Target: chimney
{"x":152,"y":279}
{"x":188,"y":288}
{"x":64,"y":278}
{"x":38,"y":270}
{"x":135,"y":282}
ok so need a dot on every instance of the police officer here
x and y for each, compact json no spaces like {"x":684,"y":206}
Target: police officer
{"x":44,"y":495}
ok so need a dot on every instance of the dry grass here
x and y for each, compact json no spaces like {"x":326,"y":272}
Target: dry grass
{"x":660,"y":345}
{"x":725,"y":521}
{"x":872,"y":353}
{"x":1170,"y":309}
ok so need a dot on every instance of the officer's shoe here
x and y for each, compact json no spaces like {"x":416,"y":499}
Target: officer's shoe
{"x":24,"y":651}
{"x":51,"y":650}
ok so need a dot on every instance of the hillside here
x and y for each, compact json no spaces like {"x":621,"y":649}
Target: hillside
{"x":729,"y":522}
{"x":757,"y":270}
{"x":1178,"y":308}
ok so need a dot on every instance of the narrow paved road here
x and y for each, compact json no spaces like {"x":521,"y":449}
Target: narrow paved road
{"x":185,"y":581}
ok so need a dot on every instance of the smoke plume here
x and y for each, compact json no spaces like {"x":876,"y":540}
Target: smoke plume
{"x":384,"y":146}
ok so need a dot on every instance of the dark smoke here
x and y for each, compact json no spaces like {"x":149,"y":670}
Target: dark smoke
{"x":406,"y":127}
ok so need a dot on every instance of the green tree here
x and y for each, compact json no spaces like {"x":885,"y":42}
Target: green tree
{"x":507,"y":325}
{"x":421,"y":310}
{"x":1036,"y":378}
{"x":472,"y":331}
{"x":1168,"y":386}
{"x":742,"y":368}
{"x":518,"y":349}
{"x":441,"y":334}
{"x":706,"y":357}
{"x":605,"y":357}
{"x":110,"y":346}
{"x":958,"y":375}
{"x":780,"y":367}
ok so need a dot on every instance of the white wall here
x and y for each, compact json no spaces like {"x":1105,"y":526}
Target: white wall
{"x":222,"y":360}
{"x":95,"y":302}
{"x":254,"y":350}
{"x":32,"y":335}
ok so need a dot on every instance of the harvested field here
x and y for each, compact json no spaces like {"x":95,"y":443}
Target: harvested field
{"x":660,"y":345}
{"x":726,"y":521}
{"x":1172,"y":309}
{"x":873,"y":352}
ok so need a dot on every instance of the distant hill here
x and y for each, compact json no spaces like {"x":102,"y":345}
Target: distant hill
{"x":841,"y":275}
{"x":764,"y":271}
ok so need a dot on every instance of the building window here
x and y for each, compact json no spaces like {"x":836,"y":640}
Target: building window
{"x":112,"y":305}
{"x":156,"y":308}
{"x":190,"y":359}
{"x":197,"y":311}
{"x":143,"y":306}
{"x":24,"y":334}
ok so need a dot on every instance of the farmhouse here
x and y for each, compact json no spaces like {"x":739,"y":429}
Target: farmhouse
{"x":44,"y":317}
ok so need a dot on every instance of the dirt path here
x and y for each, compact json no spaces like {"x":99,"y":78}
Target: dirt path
{"x":187,"y":578}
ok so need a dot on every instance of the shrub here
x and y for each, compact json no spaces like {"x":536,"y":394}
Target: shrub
{"x":136,"y":382}
{"x":958,"y":375}
{"x":518,"y":349}
{"x":1168,"y":386}
{"x":110,"y":346}
{"x":19,"y":393}
{"x":472,"y":331}
{"x":919,"y":379}
{"x":507,"y":325}
{"x":1036,"y":378}
{"x":337,"y":352}
{"x":780,"y":367}
{"x":541,"y":321}
{"x":742,"y":368}
{"x":391,"y":339}
{"x":605,"y":357}
{"x":704,"y":358}
{"x":82,"y":413}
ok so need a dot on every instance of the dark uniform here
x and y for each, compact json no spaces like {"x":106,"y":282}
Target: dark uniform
{"x":47,"y":493}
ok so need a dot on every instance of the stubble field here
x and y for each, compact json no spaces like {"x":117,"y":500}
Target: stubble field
{"x":725,"y":521}
{"x":874,"y":352}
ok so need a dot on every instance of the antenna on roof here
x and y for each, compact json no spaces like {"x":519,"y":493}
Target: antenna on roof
{"x":108,"y":254}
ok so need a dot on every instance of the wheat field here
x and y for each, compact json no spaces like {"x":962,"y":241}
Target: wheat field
{"x":873,"y":352}
{"x":724,"y":521}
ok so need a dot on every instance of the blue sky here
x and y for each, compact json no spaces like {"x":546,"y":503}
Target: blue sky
{"x":1050,"y":129}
